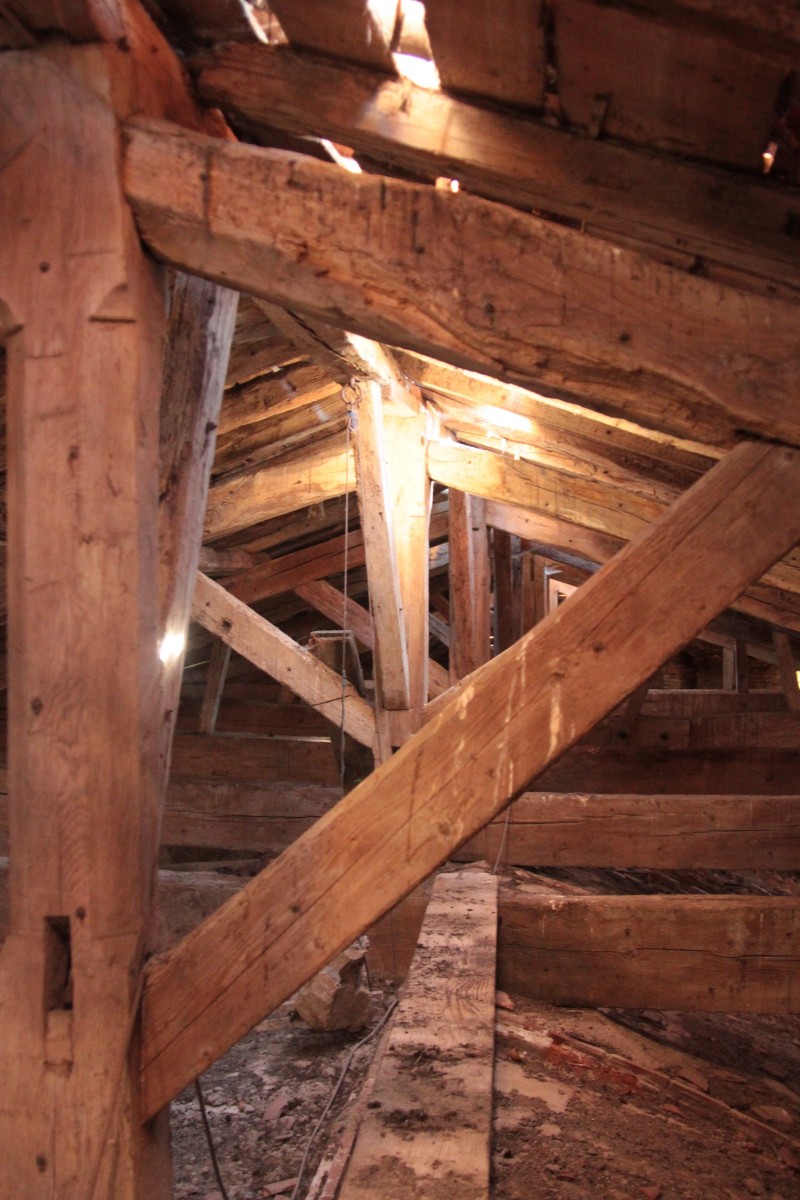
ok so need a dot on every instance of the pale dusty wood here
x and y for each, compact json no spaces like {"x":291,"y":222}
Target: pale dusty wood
{"x":489,"y":49}
{"x":518,"y":713}
{"x":377,"y":527}
{"x":610,"y":187}
{"x":361,"y":30}
{"x":215,"y":682}
{"x":267,"y":647}
{"x":557,"y":310}
{"x":691,"y":953}
{"x":664,"y":832}
{"x":411,"y":496}
{"x":786,"y":666}
{"x":82,"y":311}
{"x":446,"y":1020}
{"x":275,"y":394}
{"x":282,"y":487}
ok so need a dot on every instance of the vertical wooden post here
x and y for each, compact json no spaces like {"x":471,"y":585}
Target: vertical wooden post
{"x":469,"y":584}
{"x":742,"y":666}
{"x":786,"y":667}
{"x":83,"y":314}
{"x":503,"y":589}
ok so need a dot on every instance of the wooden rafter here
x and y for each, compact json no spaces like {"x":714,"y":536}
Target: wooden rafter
{"x":264,"y":645}
{"x":460,"y":769}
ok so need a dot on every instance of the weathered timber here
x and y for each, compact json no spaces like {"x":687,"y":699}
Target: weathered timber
{"x":462,"y":768}
{"x":252,"y":759}
{"x":377,"y":528}
{"x":274,"y":395}
{"x":354,"y":29}
{"x":613,"y":189}
{"x":82,"y":315}
{"x":508,"y":294}
{"x":488,"y":51}
{"x":582,"y":546}
{"x":727,"y":833}
{"x":690,"y":953}
{"x":445,"y":1019}
{"x":268,"y":648}
{"x":787,"y":669}
{"x":707,"y":772}
{"x":469,"y":584}
{"x":215,"y":682}
{"x":303,"y":478}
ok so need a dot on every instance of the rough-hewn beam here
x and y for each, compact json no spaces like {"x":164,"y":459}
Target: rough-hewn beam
{"x":695,"y":953}
{"x":264,"y":645}
{"x":460,"y":769}
{"x":505,"y":293}
{"x":613,"y":189}
{"x":727,"y":833}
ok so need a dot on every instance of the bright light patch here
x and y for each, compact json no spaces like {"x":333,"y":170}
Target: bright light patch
{"x":421,"y":71}
{"x":342,"y":160}
{"x":768,"y":157}
{"x":500,"y":418}
{"x":171,"y":646}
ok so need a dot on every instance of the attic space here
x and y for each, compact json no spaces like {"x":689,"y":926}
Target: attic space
{"x":399,"y":646}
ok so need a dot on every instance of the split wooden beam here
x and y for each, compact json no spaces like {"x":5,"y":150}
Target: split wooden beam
{"x":613,"y":189}
{"x":445,"y":1018}
{"x":377,"y":526}
{"x":268,"y":648}
{"x":507,"y":294}
{"x":689,"y":953}
{"x":659,"y":832}
{"x":460,"y":770}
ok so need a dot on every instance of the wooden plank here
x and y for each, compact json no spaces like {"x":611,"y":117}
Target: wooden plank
{"x":276,"y":394}
{"x":377,"y":526}
{"x":639,"y":358}
{"x":445,"y":1019}
{"x":672,"y":87}
{"x":489,"y":49}
{"x":464,"y":765}
{"x":304,"y":478}
{"x":660,"y":832}
{"x":268,"y":648}
{"x":690,"y":953}
{"x":787,"y":669}
{"x":82,"y":314}
{"x":253,"y":759}
{"x":612,"y":189}
{"x":359,"y":30}
{"x":710,"y":772}
{"x":215,"y":682}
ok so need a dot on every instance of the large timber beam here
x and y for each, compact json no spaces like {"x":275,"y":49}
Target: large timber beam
{"x":462,"y":768}
{"x":610,"y":187}
{"x":267,"y":647}
{"x":471,"y":282}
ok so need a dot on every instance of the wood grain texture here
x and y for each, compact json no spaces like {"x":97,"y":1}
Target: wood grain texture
{"x":268,"y":648}
{"x":727,"y":833}
{"x":690,"y":953}
{"x":438,"y":1058}
{"x":359,"y":30}
{"x":456,"y":277}
{"x":463,"y":766}
{"x":489,"y":49}
{"x":611,"y":188}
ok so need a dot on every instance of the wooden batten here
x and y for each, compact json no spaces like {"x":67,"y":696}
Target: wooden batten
{"x":464,"y":765}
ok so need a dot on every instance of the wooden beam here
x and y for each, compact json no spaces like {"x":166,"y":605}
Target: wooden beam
{"x":690,"y":953}
{"x":484,"y":51}
{"x":462,"y":768}
{"x":357,"y":30}
{"x":215,"y":682}
{"x":377,"y":526}
{"x":710,"y":772}
{"x":254,"y":759}
{"x":582,"y":547}
{"x":660,"y":832}
{"x":200,"y":204}
{"x":264,"y":645}
{"x":612,"y":189}
{"x":82,"y":315}
{"x":787,"y":669}
{"x":303,"y":478}
{"x":505,"y":632}
{"x":445,"y":1019}
{"x":469,"y":584}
